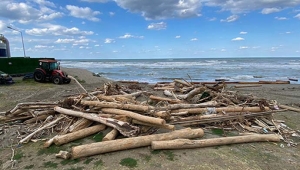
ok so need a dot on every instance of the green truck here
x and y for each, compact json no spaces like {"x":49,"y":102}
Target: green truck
{"x":15,"y":65}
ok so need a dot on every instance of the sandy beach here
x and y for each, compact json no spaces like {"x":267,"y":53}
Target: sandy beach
{"x":240,"y":156}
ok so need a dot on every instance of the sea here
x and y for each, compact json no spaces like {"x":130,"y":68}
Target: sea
{"x":192,"y":69}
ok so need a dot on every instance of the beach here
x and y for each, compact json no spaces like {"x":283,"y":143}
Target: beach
{"x":240,"y":156}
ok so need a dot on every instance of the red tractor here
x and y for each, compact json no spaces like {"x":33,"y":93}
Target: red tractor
{"x":49,"y":70}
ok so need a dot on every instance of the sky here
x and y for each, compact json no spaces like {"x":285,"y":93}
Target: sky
{"x":131,"y":29}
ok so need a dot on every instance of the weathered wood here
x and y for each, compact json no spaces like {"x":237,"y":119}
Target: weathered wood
{"x":136,"y":116}
{"x":111,"y":135}
{"x":164,"y":126}
{"x":247,"y":86}
{"x":62,"y":139}
{"x":123,"y":127}
{"x":80,"y":124}
{"x":172,"y":101}
{"x":63,"y":154}
{"x":188,"y":144}
{"x":134,"y":142}
{"x":188,"y":106}
{"x":35,"y":119}
{"x":220,"y":109}
{"x":198,"y":120}
{"x":289,"y":108}
{"x":40,"y":129}
{"x":192,"y":93}
{"x":132,"y":107}
{"x":185,"y":83}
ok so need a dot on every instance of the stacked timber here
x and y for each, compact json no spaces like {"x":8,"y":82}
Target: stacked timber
{"x":181,"y":108}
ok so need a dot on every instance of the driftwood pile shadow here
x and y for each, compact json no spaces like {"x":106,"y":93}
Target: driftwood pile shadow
{"x":183,"y":109}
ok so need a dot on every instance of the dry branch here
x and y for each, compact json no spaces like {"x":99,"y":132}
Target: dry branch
{"x":123,"y":127}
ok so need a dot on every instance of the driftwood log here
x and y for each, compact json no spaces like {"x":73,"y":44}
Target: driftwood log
{"x":213,"y":110}
{"x":123,"y":127}
{"x":111,"y":135}
{"x":134,"y":142}
{"x":62,"y":139}
{"x":136,"y":116}
{"x":188,"y":144}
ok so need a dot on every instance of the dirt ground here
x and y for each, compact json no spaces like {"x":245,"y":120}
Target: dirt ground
{"x":239,"y":156}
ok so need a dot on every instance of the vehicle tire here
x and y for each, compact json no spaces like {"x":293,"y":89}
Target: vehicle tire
{"x":57,"y":80}
{"x":39,"y":76}
{"x":68,"y":81}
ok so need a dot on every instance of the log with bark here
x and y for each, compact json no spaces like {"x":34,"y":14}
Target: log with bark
{"x":136,"y":116}
{"x":62,"y":139}
{"x":188,"y":144}
{"x":130,"y":143}
{"x":213,"y":110}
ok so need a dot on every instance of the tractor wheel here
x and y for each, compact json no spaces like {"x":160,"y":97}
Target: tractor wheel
{"x":57,"y":80}
{"x":68,"y":81}
{"x":39,"y":76}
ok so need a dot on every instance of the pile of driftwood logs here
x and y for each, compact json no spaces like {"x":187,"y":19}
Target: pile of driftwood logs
{"x":183,"y":108}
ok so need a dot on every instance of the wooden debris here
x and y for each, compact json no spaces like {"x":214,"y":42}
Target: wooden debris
{"x":188,"y":144}
{"x":137,"y":114}
{"x":130,"y":143}
{"x":62,"y":139}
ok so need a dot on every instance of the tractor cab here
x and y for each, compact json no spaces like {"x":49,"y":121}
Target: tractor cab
{"x":49,"y":65}
{"x":49,"y":70}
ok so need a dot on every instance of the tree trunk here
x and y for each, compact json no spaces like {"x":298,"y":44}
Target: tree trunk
{"x":221,"y":109}
{"x":133,"y":107}
{"x":187,"y":144}
{"x":111,"y":135}
{"x":136,"y":116}
{"x":172,"y":101}
{"x":59,"y":140}
{"x":123,"y":127}
{"x":80,"y":124}
{"x":129,"y":143}
{"x":289,"y":108}
{"x":164,"y":126}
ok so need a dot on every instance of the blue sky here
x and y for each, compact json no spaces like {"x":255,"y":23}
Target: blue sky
{"x":112,"y":29}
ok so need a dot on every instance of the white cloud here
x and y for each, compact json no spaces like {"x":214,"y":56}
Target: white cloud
{"x":130,"y":36}
{"x":158,"y":9}
{"x":243,"y":32}
{"x":213,"y":19}
{"x":242,"y":6}
{"x":270,"y":10}
{"x":281,"y":18}
{"x":45,"y":3}
{"x":111,"y":13}
{"x":297,"y":16}
{"x":231,"y":18}
{"x":51,"y":16}
{"x":109,"y":40}
{"x":84,"y":13}
{"x":223,"y":50}
{"x":244,"y":47}
{"x":50,"y":29}
{"x":177,"y":36}
{"x":64,"y":41}
{"x":194,"y":39}
{"x":288,"y":32}
{"x":238,"y":39}
{"x":100,"y":1}
{"x":157,"y":26}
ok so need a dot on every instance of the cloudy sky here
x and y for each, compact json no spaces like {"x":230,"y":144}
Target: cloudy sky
{"x":112,"y":29}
